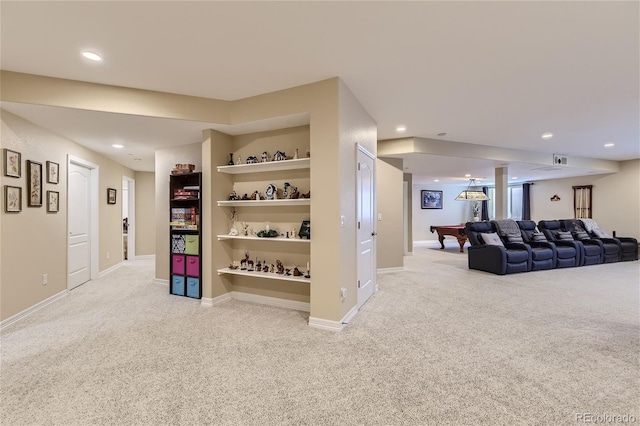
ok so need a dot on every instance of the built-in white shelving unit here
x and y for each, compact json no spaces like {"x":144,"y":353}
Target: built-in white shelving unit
{"x":270,"y":166}
{"x":250,"y":237}
{"x":265,"y":203}
{"x":267,"y":275}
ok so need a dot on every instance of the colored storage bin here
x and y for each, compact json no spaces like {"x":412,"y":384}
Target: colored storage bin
{"x":177,"y":264}
{"x":193,"y":266}
{"x":193,"y":287}
{"x":177,"y":285}
{"x":177,"y":244}
{"x":191,"y":246}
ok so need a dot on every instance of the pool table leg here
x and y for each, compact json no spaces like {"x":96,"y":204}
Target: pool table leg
{"x":441,"y":239}
{"x":461,"y":241}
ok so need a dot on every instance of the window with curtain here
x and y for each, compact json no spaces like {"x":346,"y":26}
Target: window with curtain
{"x":582,"y":201}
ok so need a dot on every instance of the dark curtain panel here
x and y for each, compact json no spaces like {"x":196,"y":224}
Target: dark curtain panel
{"x":526,"y":201}
{"x":485,"y":206}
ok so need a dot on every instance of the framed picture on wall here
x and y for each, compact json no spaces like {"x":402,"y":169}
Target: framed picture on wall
{"x":431,"y":199}
{"x":12,"y":199}
{"x":52,"y":172}
{"x":53,"y":201}
{"x":111,"y":196}
{"x":34,"y":183}
{"x":12,"y":163}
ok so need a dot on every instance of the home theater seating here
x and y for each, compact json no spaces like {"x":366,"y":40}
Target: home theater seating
{"x":507,"y":246}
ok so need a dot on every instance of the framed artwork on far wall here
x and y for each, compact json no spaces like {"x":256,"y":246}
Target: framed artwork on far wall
{"x":34,"y":184}
{"x":111,"y":196}
{"x":12,"y":163}
{"x":12,"y":199}
{"x":53,"y":170}
{"x":53,"y":201}
{"x":431,"y":199}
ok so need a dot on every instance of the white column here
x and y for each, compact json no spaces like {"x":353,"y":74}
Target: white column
{"x":502,"y":192}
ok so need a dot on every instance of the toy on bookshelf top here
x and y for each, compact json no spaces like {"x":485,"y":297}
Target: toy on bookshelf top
{"x":183,"y":169}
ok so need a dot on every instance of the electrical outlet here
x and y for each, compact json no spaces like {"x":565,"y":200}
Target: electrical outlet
{"x":45,"y":279}
{"x":107,"y":255}
{"x":343,"y":293}
{"x":342,"y":218}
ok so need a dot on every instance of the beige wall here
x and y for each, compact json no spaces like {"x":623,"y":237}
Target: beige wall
{"x":390,"y":201}
{"x":34,"y":242}
{"x":616,"y":199}
{"x":166,"y":159}
{"x":408,"y":178}
{"x":452,"y":213}
{"x":145,"y":213}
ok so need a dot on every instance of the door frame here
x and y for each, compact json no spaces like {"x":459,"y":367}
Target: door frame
{"x":94,"y":178}
{"x":131,"y":233}
{"x":374,"y":213}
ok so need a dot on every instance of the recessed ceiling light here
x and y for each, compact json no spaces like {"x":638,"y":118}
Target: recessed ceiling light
{"x":92,"y":56}
{"x":401,"y":128}
{"x":467,"y":175}
{"x":515,"y":177}
{"x":117,"y":145}
{"x":442,"y":134}
{"x":609,"y":144}
{"x":436,"y":180}
{"x":547,"y":135}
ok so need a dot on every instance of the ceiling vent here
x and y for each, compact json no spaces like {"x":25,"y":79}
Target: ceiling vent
{"x":559,"y":160}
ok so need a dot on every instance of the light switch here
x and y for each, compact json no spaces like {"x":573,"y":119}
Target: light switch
{"x":342,"y":221}
{"x":379,"y":217}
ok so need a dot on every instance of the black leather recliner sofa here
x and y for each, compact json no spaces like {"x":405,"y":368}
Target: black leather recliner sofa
{"x":628,"y":245}
{"x":488,"y":253}
{"x":567,"y":252}
{"x":591,"y":251}
{"x":543,"y":254}
{"x":611,"y":249}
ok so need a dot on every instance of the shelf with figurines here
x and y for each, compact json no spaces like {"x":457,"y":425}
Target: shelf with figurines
{"x":243,"y":231}
{"x":263,"y":269}
{"x":266,"y":163}
{"x":287,"y":196}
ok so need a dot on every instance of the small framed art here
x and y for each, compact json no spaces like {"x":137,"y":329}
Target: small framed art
{"x":53,"y":170}
{"x":111,"y":196}
{"x":53,"y":201}
{"x":431,"y":199}
{"x":12,"y":199}
{"x":12,"y":163}
{"x":34,"y":183}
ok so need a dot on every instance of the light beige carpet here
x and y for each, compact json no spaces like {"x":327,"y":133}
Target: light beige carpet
{"x":437,"y":345}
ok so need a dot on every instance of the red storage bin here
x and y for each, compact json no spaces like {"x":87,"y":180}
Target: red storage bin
{"x":193,"y":266}
{"x":177,"y":264}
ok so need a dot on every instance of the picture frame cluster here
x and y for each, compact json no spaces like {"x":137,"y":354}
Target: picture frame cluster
{"x":12,"y":167}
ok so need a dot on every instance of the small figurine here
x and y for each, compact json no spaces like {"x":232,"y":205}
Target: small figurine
{"x":265,"y":157}
{"x":295,"y":194}
{"x":280,"y":267}
{"x":249,"y":265}
{"x":233,"y":196}
{"x":230,"y":163}
{"x":233,"y":266}
{"x":307,"y":195}
{"x":258,"y":265}
{"x":279,"y":156}
{"x":273,"y":268}
{"x":265,"y":267}
{"x":239,"y":161}
{"x":271,"y":192}
{"x":255,"y":195}
{"x":295,"y":156}
{"x":287,"y":272}
{"x":243,"y":262}
{"x":296,"y":272}
{"x":308,"y":152}
{"x":252,"y":159}
{"x":285,"y":190}
{"x":233,"y":231}
{"x":245,"y":197}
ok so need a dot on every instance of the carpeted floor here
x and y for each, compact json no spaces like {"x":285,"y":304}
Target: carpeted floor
{"x":437,"y":345}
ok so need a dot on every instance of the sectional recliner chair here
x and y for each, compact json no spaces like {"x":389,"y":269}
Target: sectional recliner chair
{"x":506,"y":246}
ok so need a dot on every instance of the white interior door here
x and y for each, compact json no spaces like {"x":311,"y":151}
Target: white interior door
{"x":79,"y":225}
{"x":366,"y":226}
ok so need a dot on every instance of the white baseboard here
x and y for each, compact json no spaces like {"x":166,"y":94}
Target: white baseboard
{"x":388,"y":270}
{"x":20,"y":315}
{"x":145,"y":256}
{"x":349,"y":316}
{"x":426,"y":243}
{"x":110,"y":270}
{"x":160,"y":281}
{"x":207,"y":302}
{"x":271,"y":301}
{"x":324,"y":324}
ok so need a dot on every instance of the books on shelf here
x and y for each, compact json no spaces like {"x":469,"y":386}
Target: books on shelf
{"x":185,"y":218}
{"x":186,"y":193}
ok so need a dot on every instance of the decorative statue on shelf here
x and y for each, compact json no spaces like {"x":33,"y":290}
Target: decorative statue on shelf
{"x":234,"y":217}
{"x":295,"y":194}
{"x":245,"y":197}
{"x":270,"y":193}
{"x":243,"y":262}
{"x":295,"y":156}
{"x":296,"y":272}
{"x":279,"y":156}
{"x":265,"y":267}
{"x":233,"y":196}
{"x":239,"y":161}
{"x":280,"y":267}
{"x":249,"y":265}
{"x":256,"y":195}
{"x":307,"y":195}
{"x":258,"y":265}
{"x":252,"y":159}
{"x":287,"y":272}
{"x":265,"y":157}
{"x":233,"y":266}
{"x":230,"y":163}
{"x":285,"y":190}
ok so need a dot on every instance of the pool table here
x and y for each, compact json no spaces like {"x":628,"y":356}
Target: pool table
{"x":454,"y":230}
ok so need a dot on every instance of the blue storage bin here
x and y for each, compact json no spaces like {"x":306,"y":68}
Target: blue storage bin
{"x":177,"y":285}
{"x":193,"y":287}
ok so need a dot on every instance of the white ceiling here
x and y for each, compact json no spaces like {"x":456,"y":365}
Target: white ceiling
{"x":490,"y":73}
